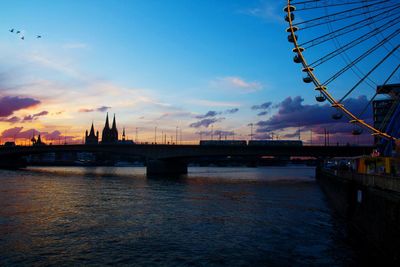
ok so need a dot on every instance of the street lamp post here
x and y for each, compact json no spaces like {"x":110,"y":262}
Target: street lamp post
{"x":176,"y":135}
{"x":155,"y":135}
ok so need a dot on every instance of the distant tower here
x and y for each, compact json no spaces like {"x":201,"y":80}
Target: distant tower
{"x":91,"y":138}
{"x":123,"y":134}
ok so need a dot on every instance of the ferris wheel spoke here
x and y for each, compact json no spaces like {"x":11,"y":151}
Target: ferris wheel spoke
{"x":348,"y":29}
{"x":304,"y":2}
{"x":392,"y":74}
{"x":369,"y":73}
{"x":355,"y":42}
{"x":341,"y":15}
{"x":314,"y":4}
{"x":360,"y":58}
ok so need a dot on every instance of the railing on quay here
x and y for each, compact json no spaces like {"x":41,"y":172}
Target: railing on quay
{"x":381,"y":181}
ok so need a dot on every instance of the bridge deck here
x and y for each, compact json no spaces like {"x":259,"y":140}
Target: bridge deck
{"x":188,"y":151}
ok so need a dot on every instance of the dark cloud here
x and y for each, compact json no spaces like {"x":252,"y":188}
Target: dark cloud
{"x":210,"y":113}
{"x":56,"y":136}
{"x":17,"y":132}
{"x":53,"y":135}
{"x":42,"y":113}
{"x":28,"y":118}
{"x":231,"y":111}
{"x":9,"y":104}
{"x":13,"y":119}
{"x":205,"y":122}
{"x":293,"y":113}
{"x":99,"y":109}
{"x":103,"y":109}
{"x":265,"y":105}
{"x":213,"y":113}
{"x":11,"y":133}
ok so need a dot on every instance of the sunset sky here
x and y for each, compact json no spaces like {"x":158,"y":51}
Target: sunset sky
{"x":163,"y":64}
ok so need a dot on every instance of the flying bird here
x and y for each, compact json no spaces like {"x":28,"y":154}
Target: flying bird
{"x":22,"y":38}
{"x":38,"y":36}
{"x":18,"y":32}
{"x":12,"y":30}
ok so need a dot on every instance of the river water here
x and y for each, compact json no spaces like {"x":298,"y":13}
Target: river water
{"x":271,"y":216}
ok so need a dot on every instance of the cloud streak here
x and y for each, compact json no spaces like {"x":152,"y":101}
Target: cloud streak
{"x":11,"y":120}
{"x":266,"y":10}
{"x":265,"y":105}
{"x":34,"y":116}
{"x":237,"y":83}
{"x":213,"y":113}
{"x":210,"y":113}
{"x":99,"y":109}
{"x":231,"y":111}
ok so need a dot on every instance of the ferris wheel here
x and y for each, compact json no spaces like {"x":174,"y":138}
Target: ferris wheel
{"x":349,"y":49}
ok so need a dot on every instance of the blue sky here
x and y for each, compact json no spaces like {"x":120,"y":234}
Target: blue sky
{"x":153,"y":63}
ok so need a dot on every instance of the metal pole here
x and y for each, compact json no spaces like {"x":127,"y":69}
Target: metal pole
{"x":176,"y":135}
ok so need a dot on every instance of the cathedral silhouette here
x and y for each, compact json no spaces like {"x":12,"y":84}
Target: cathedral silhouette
{"x":109,"y":135}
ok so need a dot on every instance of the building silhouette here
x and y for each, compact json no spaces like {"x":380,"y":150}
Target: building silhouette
{"x":109,"y":135}
{"x":91,"y":138}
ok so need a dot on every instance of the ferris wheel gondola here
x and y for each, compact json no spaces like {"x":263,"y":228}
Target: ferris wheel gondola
{"x":364,"y":35}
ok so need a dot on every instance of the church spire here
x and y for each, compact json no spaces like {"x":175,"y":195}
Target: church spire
{"x":107,"y":125}
{"x":92,"y":130}
{"x":106,"y":134}
{"x":92,"y":138}
{"x":114,"y":124}
{"x":114,"y":131}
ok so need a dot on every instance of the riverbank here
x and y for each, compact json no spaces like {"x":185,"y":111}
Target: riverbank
{"x":371,"y":205}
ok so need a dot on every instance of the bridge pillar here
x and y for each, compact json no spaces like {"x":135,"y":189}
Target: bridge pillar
{"x":165,"y":167}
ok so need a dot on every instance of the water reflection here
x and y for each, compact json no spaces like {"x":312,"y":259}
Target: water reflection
{"x":212,"y":216}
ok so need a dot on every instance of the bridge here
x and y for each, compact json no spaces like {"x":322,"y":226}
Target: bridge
{"x":173,"y":159}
